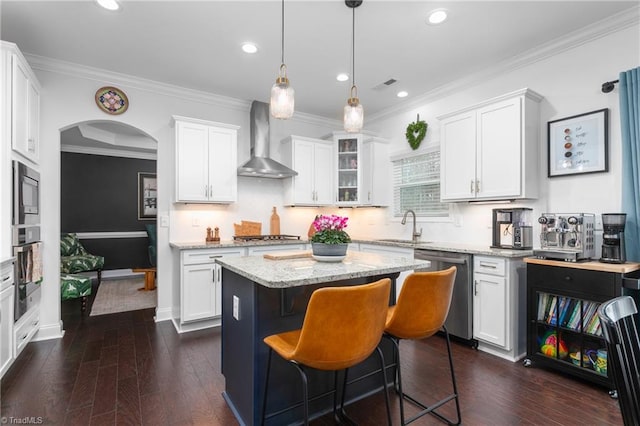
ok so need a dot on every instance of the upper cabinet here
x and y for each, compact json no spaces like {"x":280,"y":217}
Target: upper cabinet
{"x":313,"y":160}
{"x":490,"y":151}
{"x":361,"y":161}
{"x":22,"y":116}
{"x":206,"y":161}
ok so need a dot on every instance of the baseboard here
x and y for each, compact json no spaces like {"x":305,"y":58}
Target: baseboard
{"x":501,"y":353}
{"x":48,"y":332}
{"x":164,"y":314}
{"x":112,"y":273}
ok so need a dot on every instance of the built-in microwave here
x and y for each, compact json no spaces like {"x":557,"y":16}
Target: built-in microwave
{"x":26,"y":195}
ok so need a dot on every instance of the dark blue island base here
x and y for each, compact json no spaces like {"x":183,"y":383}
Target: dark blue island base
{"x":262,"y":311}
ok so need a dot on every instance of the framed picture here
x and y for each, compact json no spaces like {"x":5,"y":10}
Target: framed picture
{"x":147,"y":196}
{"x":579,"y":144}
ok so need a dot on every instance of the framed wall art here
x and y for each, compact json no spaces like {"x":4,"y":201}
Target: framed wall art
{"x":579,"y":144}
{"x":147,"y":196}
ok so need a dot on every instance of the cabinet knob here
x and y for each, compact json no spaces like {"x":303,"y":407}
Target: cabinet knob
{"x":567,"y":278}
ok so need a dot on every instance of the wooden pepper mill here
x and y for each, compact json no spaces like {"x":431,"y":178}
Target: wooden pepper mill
{"x":213,"y":238}
{"x":274,"y":228}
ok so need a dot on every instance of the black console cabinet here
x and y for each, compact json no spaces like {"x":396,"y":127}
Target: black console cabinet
{"x":563,"y":330}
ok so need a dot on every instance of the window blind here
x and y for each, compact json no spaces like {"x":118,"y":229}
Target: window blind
{"x":416,"y":185}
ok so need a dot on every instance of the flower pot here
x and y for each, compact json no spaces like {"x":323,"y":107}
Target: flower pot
{"x":321,"y":249}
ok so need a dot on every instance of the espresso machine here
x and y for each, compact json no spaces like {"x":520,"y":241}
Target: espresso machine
{"x":512,"y":229}
{"x":613,"y":250}
{"x":568,"y":237}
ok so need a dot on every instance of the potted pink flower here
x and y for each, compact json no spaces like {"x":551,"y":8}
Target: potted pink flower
{"x":330,"y":238}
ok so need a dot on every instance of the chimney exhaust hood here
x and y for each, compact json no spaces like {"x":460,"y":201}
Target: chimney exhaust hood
{"x":260,"y":165}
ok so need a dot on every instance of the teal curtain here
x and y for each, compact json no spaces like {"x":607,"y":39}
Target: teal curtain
{"x":630,"y":128}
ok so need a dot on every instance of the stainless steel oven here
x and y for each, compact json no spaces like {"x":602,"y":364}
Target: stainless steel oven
{"x":26,"y":195}
{"x":28,"y":274}
{"x":459,"y":322}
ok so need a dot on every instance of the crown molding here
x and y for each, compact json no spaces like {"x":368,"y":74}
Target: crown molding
{"x":109,"y":152}
{"x":610,"y":25}
{"x":43,"y":63}
{"x":102,"y":76}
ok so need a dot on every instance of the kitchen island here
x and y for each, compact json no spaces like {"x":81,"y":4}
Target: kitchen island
{"x":262,"y":297}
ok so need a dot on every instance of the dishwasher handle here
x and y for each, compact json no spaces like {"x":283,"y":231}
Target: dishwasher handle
{"x":453,"y":260}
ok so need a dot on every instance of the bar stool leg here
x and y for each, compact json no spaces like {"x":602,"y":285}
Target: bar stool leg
{"x":430,"y":409}
{"x":305,"y":391}
{"x":384,"y":384}
{"x":266,"y":388}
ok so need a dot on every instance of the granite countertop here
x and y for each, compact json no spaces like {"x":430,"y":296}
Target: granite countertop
{"x":452,"y":247}
{"x":428,"y":245}
{"x":305,"y":271}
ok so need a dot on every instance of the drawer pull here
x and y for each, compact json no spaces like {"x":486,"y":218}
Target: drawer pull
{"x":217,"y":256}
{"x":488,"y":265}
{"x":6,"y":278}
{"x":24,"y":337}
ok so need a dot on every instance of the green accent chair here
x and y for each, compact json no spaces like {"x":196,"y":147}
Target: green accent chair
{"x":74,"y":257}
{"x":75,"y":287}
{"x":152,"y":234}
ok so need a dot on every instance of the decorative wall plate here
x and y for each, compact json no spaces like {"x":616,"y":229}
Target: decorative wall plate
{"x":112,"y":100}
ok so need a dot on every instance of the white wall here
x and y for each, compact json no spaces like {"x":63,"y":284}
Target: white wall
{"x":68,"y":98}
{"x":570,"y":82}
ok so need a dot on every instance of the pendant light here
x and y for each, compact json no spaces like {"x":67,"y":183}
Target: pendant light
{"x":282,"y":94}
{"x":353,"y":111}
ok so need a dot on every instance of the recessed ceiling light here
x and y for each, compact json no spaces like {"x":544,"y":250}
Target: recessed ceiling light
{"x":249,"y":47}
{"x":342,"y":77}
{"x":109,"y":4}
{"x":437,"y":16}
{"x":402,"y":94}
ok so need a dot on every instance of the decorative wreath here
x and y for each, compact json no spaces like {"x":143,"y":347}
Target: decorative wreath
{"x":416,"y":132}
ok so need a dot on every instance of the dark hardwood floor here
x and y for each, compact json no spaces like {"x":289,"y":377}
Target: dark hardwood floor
{"x":126,"y":369}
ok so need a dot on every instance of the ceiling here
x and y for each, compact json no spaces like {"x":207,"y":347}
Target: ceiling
{"x":196,"y":44}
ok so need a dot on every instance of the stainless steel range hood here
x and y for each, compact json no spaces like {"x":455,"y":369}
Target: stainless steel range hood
{"x":260,"y":165}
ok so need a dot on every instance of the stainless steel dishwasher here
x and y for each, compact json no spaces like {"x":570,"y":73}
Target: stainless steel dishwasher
{"x":460,"y":319}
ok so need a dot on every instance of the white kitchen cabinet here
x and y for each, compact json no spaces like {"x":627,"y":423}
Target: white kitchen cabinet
{"x":363,"y":172}
{"x":22,"y":116}
{"x":313,"y":160}
{"x":7,"y":303}
{"x":390,"y":251}
{"x":25,"y":328}
{"x":490,"y":151}
{"x":499,"y":306}
{"x":376,"y":172}
{"x":201,"y":286}
{"x":206,"y":161}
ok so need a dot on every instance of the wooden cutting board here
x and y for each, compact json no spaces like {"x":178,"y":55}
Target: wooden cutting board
{"x":282,"y":255}
{"x":247,"y":227}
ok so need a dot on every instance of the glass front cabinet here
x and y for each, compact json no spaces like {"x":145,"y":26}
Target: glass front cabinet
{"x":349,"y":170}
{"x":362,"y":176}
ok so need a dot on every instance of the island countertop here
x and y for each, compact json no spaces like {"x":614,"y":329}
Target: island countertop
{"x":306,"y":271}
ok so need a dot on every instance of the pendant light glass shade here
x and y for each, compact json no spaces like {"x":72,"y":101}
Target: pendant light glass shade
{"x":353,"y":113}
{"x":353,"y":119}
{"x":282,"y":96}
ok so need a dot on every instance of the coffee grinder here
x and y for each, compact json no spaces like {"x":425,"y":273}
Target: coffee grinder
{"x":512,"y":228}
{"x":613,"y":250}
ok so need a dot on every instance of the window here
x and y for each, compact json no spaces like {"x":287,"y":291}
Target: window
{"x":416,"y":185}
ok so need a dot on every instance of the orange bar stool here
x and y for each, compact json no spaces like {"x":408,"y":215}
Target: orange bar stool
{"x":342,"y":327}
{"x":421,"y":310}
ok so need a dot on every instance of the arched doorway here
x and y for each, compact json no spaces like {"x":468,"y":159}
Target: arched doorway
{"x":107,"y":190}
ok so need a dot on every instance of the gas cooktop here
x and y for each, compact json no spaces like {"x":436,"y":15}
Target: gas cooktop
{"x":265,"y":237}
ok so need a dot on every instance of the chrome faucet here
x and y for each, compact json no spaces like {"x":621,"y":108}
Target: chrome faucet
{"x":415,"y":235}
